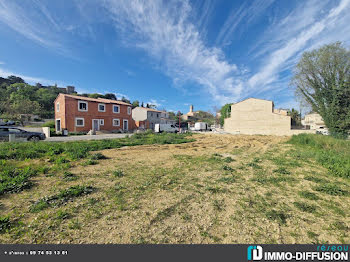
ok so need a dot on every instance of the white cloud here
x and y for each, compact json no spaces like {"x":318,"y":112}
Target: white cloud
{"x":246,"y":14}
{"x":2,"y":63}
{"x":30,"y":79}
{"x":317,"y":30}
{"x":166,"y":34}
{"x":21,"y":20}
{"x":120,"y":96}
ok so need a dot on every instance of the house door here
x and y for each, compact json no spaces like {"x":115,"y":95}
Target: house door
{"x":95,"y":124}
{"x":58,"y":125}
{"x":125,"y":125}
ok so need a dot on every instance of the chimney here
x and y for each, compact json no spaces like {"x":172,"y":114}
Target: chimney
{"x":191,"y":108}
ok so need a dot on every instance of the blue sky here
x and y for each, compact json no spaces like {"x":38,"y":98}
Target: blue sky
{"x":170,"y":53}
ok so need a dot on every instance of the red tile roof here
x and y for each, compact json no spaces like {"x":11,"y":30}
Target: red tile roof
{"x":98,"y":100}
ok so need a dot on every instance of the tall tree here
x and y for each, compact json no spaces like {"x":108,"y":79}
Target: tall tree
{"x":322,"y":79}
{"x":124,"y":99}
{"x":110,"y":96}
{"x":295,"y":116}
{"x":135,"y":103}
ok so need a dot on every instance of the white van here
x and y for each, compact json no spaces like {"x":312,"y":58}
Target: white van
{"x":159,"y":128}
{"x":201,"y":126}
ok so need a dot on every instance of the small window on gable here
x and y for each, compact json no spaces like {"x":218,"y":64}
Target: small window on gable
{"x":58,"y":107}
{"x":82,"y":106}
{"x":116,"y":109}
{"x":129,"y":110}
{"x":101,"y":107}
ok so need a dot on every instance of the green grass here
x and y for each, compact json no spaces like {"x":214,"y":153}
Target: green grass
{"x":331,"y":153}
{"x":118,"y":173}
{"x":331,"y":189}
{"x":308,"y":195}
{"x":68,"y":176}
{"x":13,"y":179}
{"x":80,"y":149}
{"x":278,"y":216}
{"x":5,"y":224}
{"x":305,"y":207}
{"x":62,"y":197}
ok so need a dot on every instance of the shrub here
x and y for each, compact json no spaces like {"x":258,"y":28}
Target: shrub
{"x":118,"y":173}
{"x":333,"y":154}
{"x":50,"y":124}
{"x":13,"y":179}
{"x":98,"y":156}
{"x":5,"y":224}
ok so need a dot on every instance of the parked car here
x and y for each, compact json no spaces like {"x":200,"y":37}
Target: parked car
{"x":322,"y":131}
{"x":8,"y":123}
{"x":20,"y":134}
{"x":183,"y":126}
{"x":159,"y":128}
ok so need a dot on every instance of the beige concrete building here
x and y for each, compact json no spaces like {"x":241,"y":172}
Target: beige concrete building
{"x":258,"y":116}
{"x":314,"y":121}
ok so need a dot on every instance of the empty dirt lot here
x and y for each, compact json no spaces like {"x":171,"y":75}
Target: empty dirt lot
{"x":218,"y":189}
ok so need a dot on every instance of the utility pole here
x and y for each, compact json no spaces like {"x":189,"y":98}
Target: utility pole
{"x":179,"y":122}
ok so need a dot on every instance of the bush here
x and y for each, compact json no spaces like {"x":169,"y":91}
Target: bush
{"x":50,"y":124}
{"x":13,"y":179}
{"x":333,"y":154}
{"x":5,"y":224}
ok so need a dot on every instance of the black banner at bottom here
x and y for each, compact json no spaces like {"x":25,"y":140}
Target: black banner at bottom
{"x":253,"y":252}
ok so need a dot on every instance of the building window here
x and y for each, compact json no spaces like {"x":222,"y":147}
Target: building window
{"x":116,"y":109}
{"x":102,"y":122}
{"x":116,"y":122}
{"x":129,"y":110}
{"x":157,"y":115}
{"x":82,"y":106}
{"x":79,"y":122}
{"x":101,"y":107}
{"x":58,"y":107}
{"x":151,"y":114}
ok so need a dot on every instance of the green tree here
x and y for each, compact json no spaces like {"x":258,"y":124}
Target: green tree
{"x":110,"y":96}
{"x":172,"y":116}
{"x":225,"y":113}
{"x":125,"y":100}
{"x":295,"y":116}
{"x":135,"y":103}
{"x":15,"y":79}
{"x":96,"y":95}
{"x":322,"y":79}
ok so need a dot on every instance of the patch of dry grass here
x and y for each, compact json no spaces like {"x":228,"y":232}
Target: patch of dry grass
{"x":218,"y":189}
